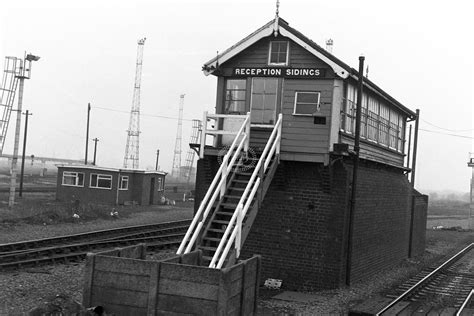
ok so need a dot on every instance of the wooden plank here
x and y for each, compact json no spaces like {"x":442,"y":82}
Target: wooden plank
{"x":132,"y":252}
{"x":243,"y":310}
{"x":189,"y":258}
{"x":223,"y":293}
{"x":306,"y":139}
{"x":175,"y":259}
{"x":178,"y":304}
{"x":121,"y":281}
{"x":117,"y":309}
{"x":88,"y":280}
{"x":103,"y":295}
{"x":190,"y":273}
{"x":233,"y":305}
{"x":187,"y":289}
{"x":153,"y":285}
{"x":236,"y":272}
{"x":317,"y":131}
{"x":122,"y":265}
{"x":257,"y":258}
{"x":250,"y":273}
{"x":302,"y":149}
{"x":235,"y":287}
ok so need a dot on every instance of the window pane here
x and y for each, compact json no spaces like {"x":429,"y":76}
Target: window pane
{"x":256,"y":116}
{"x":236,"y":84}
{"x":69,"y":180}
{"x":307,"y":98}
{"x":305,"y":109}
{"x":93,"y":180}
{"x":269,"y":103}
{"x":234,"y":106}
{"x":271,"y":85}
{"x":278,"y":52}
{"x":258,"y":85}
{"x":80,"y":181}
{"x":235,"y":95}
{"x":257,"y":102}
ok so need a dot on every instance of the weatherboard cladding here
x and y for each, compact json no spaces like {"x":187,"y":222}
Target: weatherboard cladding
{"x":243,"y":45}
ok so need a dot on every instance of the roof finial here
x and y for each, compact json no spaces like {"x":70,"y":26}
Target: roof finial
{"x":275,"y":25}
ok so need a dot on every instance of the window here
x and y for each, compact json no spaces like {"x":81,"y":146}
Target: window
{"x":160,"y":184}
{"x":263,"y":103}
{"x":123,"y":183}
{"x":101,"y":181}
{"x":306,"y":103}
{"x":278,"y":53}
{"x":380,"y":123}
{"x":235,"y":96}
{"x":75,"y":179}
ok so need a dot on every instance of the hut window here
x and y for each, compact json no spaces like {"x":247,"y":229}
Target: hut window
{"x":123,"y":183}
{"x":306,"y":103}
{"x":160,"y":184}
{"x":263,"y":103}
{"x":75,"y":179}
{"x":278,"y":53}
{"x":101,"y":181}
{"x":235,"y":96}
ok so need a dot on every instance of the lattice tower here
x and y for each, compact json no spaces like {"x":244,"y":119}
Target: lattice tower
{"x":195,"y":136}
{"x":176,"y":171}
{"x":132,"y":149}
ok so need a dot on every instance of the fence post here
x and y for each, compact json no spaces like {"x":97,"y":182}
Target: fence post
{"x":238,"y":237}
{"x":247,"y":132}
{"x":224,"y":174}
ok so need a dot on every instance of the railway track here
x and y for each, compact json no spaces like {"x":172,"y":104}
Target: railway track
{"x":75,"y":247}
{"x":445,"y":290}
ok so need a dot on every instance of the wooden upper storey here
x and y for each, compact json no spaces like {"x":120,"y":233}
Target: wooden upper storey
{"x":277,"y":70}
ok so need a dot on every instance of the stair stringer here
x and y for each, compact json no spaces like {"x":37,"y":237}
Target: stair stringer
{"x":254,"y":208}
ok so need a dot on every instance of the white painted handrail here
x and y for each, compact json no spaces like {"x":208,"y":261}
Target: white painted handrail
{"x":220,"y":180}
{"x":272,"y":147}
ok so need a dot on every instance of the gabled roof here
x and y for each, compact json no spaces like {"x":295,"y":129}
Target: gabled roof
{"x":279,"y":25}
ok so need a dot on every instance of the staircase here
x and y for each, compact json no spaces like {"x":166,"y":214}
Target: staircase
{"x":12,"y":70}
{"x":228,"y":210}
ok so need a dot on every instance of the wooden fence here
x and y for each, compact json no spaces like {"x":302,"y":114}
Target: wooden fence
{"x":125,"y":283}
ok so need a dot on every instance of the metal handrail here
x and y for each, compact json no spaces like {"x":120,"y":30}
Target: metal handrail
{"x":206,"y":203}
{"x":272,"y":147}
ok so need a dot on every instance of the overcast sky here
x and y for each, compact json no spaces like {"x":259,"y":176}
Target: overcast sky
{"x":420,"y":52}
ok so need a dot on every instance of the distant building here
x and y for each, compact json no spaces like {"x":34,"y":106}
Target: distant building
{"x":109,"y":186}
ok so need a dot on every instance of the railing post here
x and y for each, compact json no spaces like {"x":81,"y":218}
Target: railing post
{"x":261,"y":174}
{"x":238,"y":237}
{"x":203,"y":135}
{"x":280,"y":119}
{"x":247,"y":132}
{"x":224,"y":174}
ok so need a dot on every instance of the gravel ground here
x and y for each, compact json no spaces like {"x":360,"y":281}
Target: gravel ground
{"x":23,"y":290}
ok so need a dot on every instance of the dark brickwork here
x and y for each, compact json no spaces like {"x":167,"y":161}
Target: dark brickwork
{"x":381,"y":219}
{"x":206,"y":170}
{"x":419,"y":224}
{"x":301,"y":227}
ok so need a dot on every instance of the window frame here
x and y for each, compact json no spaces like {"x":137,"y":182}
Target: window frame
{"x":318,"y":105}
{"x":226,"y":90}
{"x":160,"y":184}
{"x":264,"y":125}
{"x":76,"y":175}
{"x":270,"y":53}
{"x":100,"y":175}
{"x":121,"y":180}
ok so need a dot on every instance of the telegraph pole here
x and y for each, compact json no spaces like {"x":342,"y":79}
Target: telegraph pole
{"x":20,"y":193}
{"x":95,"y":149}
{"x":87,"y":131}
{"x":24,"y":73}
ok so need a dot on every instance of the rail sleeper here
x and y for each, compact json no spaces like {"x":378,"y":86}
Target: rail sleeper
{"x":125,"y":283}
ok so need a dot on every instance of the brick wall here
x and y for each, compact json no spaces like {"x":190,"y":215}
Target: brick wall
{"x":419,"y":224}
{"x":381,"y":219}
{"x":299,"y":229}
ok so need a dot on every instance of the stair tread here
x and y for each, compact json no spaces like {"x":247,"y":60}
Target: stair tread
{"x":212,"y":238}
{"x":208,"y":248}
{"x":240,"y":181}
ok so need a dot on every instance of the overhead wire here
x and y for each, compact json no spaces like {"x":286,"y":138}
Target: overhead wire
{"x":141,"y":114}
{"x":447,"y":129}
